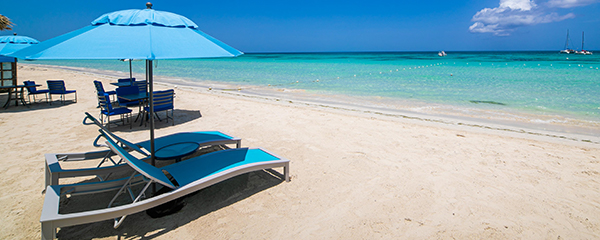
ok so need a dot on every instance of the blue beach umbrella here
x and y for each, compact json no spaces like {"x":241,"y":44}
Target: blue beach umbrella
{"x":133,"y":34}
{"x":10,"y":44}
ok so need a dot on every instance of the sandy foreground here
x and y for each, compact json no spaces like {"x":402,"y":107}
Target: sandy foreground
{"x":354,"y":175}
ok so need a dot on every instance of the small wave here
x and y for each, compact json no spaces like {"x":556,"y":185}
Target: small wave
{"x":487,"y":102}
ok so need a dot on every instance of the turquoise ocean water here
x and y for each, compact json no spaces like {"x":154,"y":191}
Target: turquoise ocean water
{"x":545,"y":87}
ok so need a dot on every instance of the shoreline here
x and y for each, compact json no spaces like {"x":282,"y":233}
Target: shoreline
{"x":590,"y":133}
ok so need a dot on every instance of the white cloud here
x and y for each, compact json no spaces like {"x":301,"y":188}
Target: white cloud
{"x":512,"y":14}
{"x":570,"y":3}
{"x":524,"y":5}
{"x":492,"y":28}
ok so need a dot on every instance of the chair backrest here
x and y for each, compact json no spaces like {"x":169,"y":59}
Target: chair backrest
{"x":142,"y":85}
{"x":142,"y":167}
{"x":126,"y":80}
{"x":163,"y":99}
{"x":104,"y":102}
{"x":99,"y":87}
{"x":107,"y":132}
{"x":56,"y":86}
{"x":31,"y":89}
{"x":126,"y":91}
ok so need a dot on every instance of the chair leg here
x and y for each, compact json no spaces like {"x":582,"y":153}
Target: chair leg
{"x":48,"y":231}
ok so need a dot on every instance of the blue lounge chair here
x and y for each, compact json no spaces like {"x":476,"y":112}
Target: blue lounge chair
{"x":58,"y":87}
{"x":107,"y":165}
{"x":107,"y":109}
{"x":32,"y":90}
{"x":188,"y":177}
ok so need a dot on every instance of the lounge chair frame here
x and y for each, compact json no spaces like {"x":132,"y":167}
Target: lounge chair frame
{"x":51,"y":219}
{"x":54,"y":171}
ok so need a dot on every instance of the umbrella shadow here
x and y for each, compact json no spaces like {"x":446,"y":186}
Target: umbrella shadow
{"x":197,"y":205}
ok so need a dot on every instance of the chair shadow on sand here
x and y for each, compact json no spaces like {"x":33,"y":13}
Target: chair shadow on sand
{"x":39,"y":105}
{"x":197,"y":205}
{"x":181,"y":116}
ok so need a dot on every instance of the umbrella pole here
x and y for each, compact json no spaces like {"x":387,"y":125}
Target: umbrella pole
{"x":130,"y":73}
{"x":151,"y":106}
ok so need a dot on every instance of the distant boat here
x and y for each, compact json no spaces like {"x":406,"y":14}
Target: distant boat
{"x":567,"y":50}
{"x":442,"y":53}
{"x":584,"y":52}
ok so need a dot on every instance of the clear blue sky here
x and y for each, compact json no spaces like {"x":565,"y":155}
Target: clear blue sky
{"x":330,"y":26}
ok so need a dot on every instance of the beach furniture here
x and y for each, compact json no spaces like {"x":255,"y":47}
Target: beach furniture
{"x":58,"y":87}
{"x":142,"y":86}
{"x":129,"y":96}
{"x":32,"y":90}
{"x":100,"y":89}
{"x":188,"y":176}
{"x":124,"y":82}
{"x":163,"y":101}
{"x":106,"y":109}
{"x":15,"y":93}
{"x":128,"y":90}
{"x":167,"y":147}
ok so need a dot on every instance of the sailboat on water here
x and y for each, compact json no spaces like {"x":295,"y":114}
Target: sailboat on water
{"x":567,"y":50}
{"x":584,"y":52}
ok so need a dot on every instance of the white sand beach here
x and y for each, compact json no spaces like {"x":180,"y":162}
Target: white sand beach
{"x":355,"y":174}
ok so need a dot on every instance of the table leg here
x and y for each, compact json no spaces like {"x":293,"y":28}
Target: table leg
{"x":9,"y":98}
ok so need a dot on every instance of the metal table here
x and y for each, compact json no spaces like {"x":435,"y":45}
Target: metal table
{"x":19,"y":94}
{"x":176,"y":151}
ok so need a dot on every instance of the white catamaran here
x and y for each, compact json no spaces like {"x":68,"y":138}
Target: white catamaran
{"x":584,"y":52}
{"x":567,"y":50}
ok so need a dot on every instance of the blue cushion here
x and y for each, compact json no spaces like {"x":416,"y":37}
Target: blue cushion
{"x":39,"y":91}
{"x":117,"y":111}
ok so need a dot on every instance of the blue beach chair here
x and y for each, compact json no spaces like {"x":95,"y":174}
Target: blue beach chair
{"x":58,"y":87}
{"x":106,"y":109}
{"x":163,"y":101}
{"x":121,"y":91}
{"x":100,"y":89}
{"x":32,"y":90}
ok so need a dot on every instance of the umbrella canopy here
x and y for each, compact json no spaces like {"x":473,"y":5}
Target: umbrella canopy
{"x":10,"y":44}
{"x":133,"y":34}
